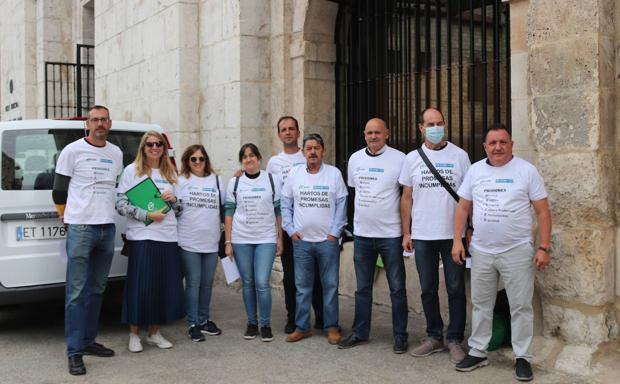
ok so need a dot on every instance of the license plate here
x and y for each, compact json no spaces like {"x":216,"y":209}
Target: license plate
{"x":40,"y":232}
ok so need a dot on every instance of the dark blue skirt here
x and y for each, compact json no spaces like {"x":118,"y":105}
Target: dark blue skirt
{"x":154,"y":287}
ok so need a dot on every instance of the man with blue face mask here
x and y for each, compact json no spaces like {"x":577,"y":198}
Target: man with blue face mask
{"x":427,"y":212}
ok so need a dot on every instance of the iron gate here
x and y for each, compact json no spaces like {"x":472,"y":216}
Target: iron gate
{"x":70,"y":87}
{"x":397,"y":57}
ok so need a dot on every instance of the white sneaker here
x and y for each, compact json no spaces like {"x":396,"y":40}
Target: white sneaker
{"x":158,"y":340}
{"x":135,"y":345}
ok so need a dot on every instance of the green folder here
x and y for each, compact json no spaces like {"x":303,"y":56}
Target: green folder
{"x":146,"y":195}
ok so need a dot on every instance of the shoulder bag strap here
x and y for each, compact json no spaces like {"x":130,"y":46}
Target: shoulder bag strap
{"x":219,"y":197}
{"x":273,"y":189}
{"x":439,"y":178}
{"x":235,"y":188}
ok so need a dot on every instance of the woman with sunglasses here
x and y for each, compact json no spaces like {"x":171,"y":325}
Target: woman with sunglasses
{"x":154,"y":287}
{"x":199,"y":232}
{"x":254,"y":236}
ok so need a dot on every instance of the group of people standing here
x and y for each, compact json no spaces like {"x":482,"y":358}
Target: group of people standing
{"x":296,"y":210}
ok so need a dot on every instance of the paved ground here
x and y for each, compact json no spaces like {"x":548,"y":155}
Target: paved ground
{"x":32,"y":351}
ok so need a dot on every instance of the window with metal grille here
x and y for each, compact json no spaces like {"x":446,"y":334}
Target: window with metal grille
{"x":397,"y":57}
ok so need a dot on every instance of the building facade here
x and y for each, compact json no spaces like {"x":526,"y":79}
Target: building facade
{"x":222,"y":72}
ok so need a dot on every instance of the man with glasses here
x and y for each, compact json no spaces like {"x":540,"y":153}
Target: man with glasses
{"x":85,"y":193}
{"x":429,"y":206}
{"x":373,"y":173}
{"x":280,"y":165}
{"x":313,"y":202}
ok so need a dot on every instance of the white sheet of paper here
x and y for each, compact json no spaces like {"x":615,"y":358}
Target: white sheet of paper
{"x":408,"y":254}
{"x":62,"y":250}
{"x":230,"y":269}
{"x":468,"y":262}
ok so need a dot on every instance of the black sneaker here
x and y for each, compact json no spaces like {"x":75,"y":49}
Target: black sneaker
{"x":210,"y":329}
{"x":351,"y":341}
{"x":76,"y":365}
{"x":289,"y":327}
{"x":523,"y":370}
{"x":469,"y":363}
{"x":400,"y":345}
{"x":251,"y":332}
{"x":194,"y":334}
{"x":265,"y":333}
{"x":99,"y":350}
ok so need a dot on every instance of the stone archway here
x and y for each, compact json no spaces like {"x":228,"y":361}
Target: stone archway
{"x":313,"y":60}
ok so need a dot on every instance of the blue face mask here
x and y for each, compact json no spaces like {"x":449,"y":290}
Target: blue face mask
{"x":434,"y":134}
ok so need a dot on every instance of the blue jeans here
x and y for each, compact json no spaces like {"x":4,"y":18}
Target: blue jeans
{"x":288,"y":281}
{"x":255,"y":262}
{"x":327,"y":255}
{"x":199,"y":269}
{"x":90,"y":249}
{"x":365,"y":255}
{"x":427,"y":253}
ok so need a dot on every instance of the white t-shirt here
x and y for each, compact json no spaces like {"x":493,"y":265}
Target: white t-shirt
{"x":502,"y":199}
{"x":432,"y":212}
{"x":314,"y":199}
{"x":92,"y":189}
{"x":282,"y":163}
{"x":254,"y":221}
{"x":166,"y":230}
{"x":377,"y":192}
{"x":199,"y":225}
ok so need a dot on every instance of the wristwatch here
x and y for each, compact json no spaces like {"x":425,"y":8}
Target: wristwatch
{"x":546,"y":250}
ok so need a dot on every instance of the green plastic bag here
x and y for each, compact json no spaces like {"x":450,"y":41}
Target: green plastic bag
{"x":501,"y":332}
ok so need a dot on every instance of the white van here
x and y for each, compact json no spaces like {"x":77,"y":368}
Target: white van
{"x":32,"y":267}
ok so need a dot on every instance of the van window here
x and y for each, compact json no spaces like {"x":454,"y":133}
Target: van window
{"x":29,"y":156}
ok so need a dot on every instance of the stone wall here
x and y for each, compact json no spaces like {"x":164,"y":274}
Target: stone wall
{"x":55,"y":42}
{"x":235,"y":78}
{"x":313,"y":58}
{"x":147,"y":64}
{"x":571,"y":97}
{"x":18,"y":59}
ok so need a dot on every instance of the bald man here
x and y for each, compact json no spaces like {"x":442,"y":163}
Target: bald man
{"x":373,"y":173}
{"x":429,"y":207}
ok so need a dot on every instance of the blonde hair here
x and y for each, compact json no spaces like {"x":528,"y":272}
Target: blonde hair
{"x":166,"y":168}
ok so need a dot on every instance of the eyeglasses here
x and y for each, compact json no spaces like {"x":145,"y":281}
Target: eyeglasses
{"x":156,"y":144}
{"x":97,"y":120}
{"x":194,"y":159}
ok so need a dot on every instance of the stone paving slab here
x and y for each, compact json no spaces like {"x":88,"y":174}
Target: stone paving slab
{"x":32,"y":351}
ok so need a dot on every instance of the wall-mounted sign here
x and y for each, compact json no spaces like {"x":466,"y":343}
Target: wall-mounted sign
{"x":11,"y":106}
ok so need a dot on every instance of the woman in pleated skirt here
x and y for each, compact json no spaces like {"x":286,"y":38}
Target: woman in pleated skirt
{"x":153,"y":290}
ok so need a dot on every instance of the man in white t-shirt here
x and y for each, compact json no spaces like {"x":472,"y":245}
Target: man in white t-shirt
{"x":502,"y":189}
{"x":373,"y":173}
{"x":314,"y":203}
{"x":85,"y":193}
{"x":429,"y":206}
{"x":280,"y":165}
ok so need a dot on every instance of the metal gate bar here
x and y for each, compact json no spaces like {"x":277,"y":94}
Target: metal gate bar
{"x":397,"y":57}
{"x":70,"y":87}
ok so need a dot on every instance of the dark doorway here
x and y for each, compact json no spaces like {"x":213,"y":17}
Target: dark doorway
{"x":397,"y":57}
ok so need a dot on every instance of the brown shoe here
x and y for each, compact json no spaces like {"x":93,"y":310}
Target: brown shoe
{"x":298,"y":335}
{"x":333,"y":335}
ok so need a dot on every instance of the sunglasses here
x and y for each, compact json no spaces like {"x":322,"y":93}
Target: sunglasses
{"x":197,"y":159}
{"x":156,"y":144}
